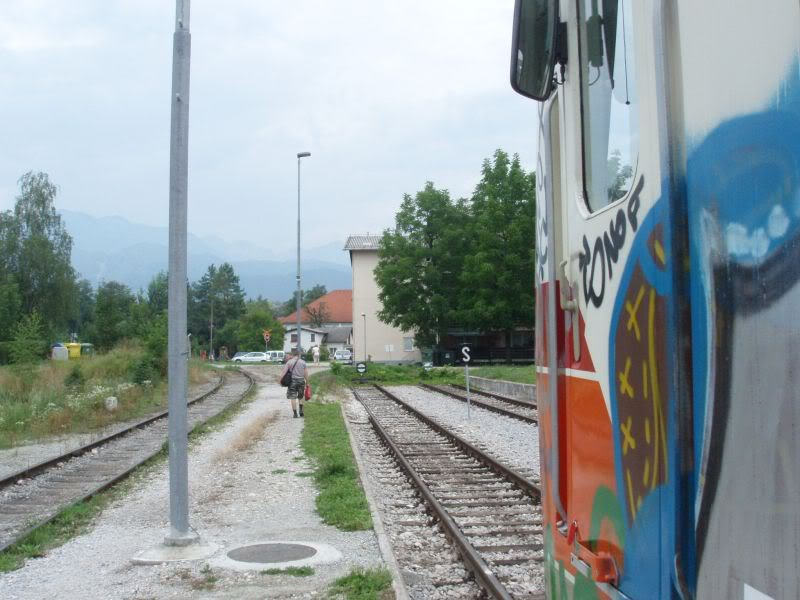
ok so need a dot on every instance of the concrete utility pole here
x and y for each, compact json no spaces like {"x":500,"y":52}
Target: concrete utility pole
{"x":180,"y":534}
{"x":299,"y":289}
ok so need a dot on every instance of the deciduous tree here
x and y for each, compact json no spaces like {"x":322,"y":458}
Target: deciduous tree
{"x":113,"y":313}
{"x":498,"y":272}
{"x":36,"y":250}
{"x":420,"y":263}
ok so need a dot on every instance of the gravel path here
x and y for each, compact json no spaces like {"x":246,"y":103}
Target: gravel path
{"x":13,"y":460}
{"x":236,"y":497}
{"x":512,"y":442}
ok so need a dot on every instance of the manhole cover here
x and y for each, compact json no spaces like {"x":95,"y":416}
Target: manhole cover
{"x":272,"y":553}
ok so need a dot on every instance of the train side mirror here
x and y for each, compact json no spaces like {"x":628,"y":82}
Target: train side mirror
{"x":534,"y":47}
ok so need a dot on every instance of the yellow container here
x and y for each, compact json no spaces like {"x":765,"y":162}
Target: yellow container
{"x":74,"y":350}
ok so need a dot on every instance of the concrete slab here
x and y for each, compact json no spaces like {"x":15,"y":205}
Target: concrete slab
{"x":164,"y":553}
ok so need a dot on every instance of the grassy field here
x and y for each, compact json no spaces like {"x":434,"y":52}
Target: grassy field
{"x":411,"y":374}
{"x":519,"y":374}
{"x":55,"y":397}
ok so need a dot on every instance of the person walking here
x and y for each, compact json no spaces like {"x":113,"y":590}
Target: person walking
{"x":315,"y":353}
{"x":297,"y":388}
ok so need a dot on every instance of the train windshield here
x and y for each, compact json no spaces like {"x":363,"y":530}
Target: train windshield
{"x":608,"y":89}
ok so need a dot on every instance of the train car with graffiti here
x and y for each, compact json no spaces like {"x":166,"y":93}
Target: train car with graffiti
{"x":668,"y":294}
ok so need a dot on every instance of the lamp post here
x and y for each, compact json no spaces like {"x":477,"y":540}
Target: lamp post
{"x":364,"y":316}
{"x":299,"y":289}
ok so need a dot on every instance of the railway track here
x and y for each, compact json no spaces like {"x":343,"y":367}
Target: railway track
{"x":35,"y":496}
{"x":489,"y":512}
{"x":523,"y":403}
{"x":516,"y":409}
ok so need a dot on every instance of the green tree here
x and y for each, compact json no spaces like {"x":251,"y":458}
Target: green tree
{"x":158,"y":293}
{"x":419,"y":265}
{"x":247,"y":332}
{"x":216,"y":298}
{"x":113,"y":313}
{"x":306,"y":297}
{"x":36,"y":250}
{"x":83,"y":323}
{"x":618,"y":176}
{"x":28,"y":344}
{"x":499,"y":269}
{"x":10,"y":306}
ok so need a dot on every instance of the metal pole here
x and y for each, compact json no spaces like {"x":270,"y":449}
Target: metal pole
{"x":365,"y":336}
{"x":177,"y":339}
{"x":469,"y":402}
{"x":299,"y":289}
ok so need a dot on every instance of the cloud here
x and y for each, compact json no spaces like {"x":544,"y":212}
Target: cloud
{"x":385,"y":94}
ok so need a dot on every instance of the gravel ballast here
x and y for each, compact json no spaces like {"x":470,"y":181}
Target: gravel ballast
{"x":512,"y":442}
{"x":237,"y":497}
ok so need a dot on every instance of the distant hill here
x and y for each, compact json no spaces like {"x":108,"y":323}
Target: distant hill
{"x":113,"y":248}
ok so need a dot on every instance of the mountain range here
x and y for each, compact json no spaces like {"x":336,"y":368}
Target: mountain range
{"x":113,"y":248}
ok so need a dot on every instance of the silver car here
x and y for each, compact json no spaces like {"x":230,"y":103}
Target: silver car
{"x":252,"y":357}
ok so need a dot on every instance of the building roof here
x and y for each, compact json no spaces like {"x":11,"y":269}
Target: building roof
{"x":293,"y":327}
{"x":337,"y":335}
{"x":363,"y":242}
{"x":338,"y":304}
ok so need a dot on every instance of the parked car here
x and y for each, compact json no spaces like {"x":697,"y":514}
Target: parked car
{"x":239,"y":355}
{"x":343,"y":356}
{"x":276,"y":356}
{"x":252,"y":357}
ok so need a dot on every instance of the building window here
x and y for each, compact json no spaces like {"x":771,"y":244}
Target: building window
{"x":408,"y":344}
{"x":313,"y":337}
{"x":294,"y":338}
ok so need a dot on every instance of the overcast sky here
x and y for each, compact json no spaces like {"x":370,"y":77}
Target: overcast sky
{"x":385,"y":94}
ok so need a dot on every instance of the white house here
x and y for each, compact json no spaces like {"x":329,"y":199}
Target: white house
{"x":309,"y":337}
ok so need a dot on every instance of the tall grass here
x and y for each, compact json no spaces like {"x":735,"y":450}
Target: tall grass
{"x":56,"y":397}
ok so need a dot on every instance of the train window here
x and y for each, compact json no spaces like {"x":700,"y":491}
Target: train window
{"x":608,"y":99}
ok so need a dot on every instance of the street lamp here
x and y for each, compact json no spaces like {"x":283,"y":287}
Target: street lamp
{"x":364,"y":315}
{"x":299,"y":290}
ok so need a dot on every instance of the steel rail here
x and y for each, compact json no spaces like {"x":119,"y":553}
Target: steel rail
{"x":525,"y":484}
{"x":523,"y":403}
{"x":491,"y":407}
{"x":474,"y":561}
{"x":76,"y":452}
{"x":127,"y":472}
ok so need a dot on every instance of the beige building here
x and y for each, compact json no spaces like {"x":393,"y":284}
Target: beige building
{"x":384,"y":343}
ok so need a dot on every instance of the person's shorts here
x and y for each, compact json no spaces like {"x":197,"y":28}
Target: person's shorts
{"x":296,"y":389}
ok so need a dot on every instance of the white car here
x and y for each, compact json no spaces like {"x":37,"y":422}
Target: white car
{"x":252,"y":357}
{"x":276,"y":356}
{"x":343,"y":356}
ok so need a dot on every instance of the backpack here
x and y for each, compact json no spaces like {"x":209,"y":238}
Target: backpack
{"x":286,"y":380}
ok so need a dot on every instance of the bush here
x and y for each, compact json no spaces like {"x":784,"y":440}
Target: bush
{"x":75,"y":378}
{"x":145,"y":369}
{"x":28,"y":345}
{"x":5,"y":353}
